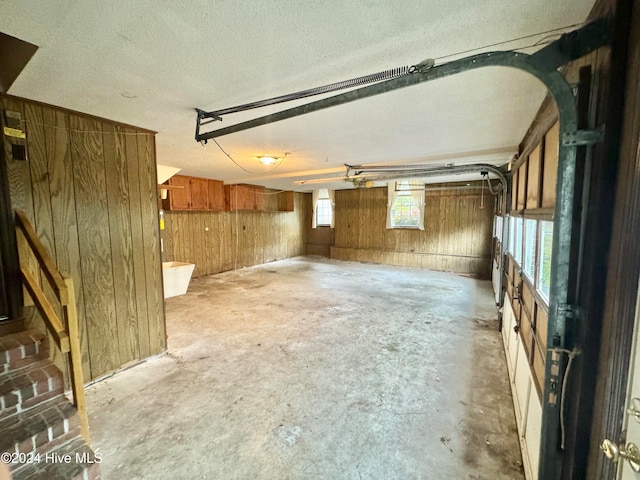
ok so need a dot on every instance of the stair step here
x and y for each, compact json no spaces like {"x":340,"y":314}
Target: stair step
{"x":19,"y":349}
{"x":73,"y":460}
{"x":14,"y":325}
{"x":40,"y":428}
{"x":24,"y":388}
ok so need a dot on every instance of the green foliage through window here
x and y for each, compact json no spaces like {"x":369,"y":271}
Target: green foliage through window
{"x":405,"y":212}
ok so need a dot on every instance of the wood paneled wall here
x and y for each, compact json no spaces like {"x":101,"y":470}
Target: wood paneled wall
{"x":457,"y":235}
{"x":89,"y":188}
{"x":320,"y":239}
{"x":220,"y":241}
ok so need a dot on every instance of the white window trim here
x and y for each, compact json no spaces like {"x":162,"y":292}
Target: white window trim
{"x":392,"y":194}
{"x":315,"y":196}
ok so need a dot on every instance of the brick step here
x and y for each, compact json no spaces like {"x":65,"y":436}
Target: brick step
{"x":41,"y":428}
{"x":73,"y":460}
{"x":24,"y":388}
{"x":19,"y":349}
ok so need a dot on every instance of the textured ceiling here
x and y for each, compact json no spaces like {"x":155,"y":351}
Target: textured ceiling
{"x":150,"y":63}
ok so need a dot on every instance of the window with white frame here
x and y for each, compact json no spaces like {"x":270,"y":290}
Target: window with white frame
{"x":517,"y":240}
{"x":405,"y":207}
{"x":323,"y":208}
{"x":530,"y":241}
{"x":511,"y":227}
{"x":544,"y":259}
{"x":324,"y":211}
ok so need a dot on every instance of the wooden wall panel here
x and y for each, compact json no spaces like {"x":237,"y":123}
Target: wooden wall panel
{"x":151,"y":240}
{"x":95,"y":243}
{"x":137,"y":242}
{"x":457,"y":235}
{"x":117,"y":196}
{"x":89,"y":188}
{"x":522,"y":186}
{"x":541,"y":327}
{"x":533,"y":179}
{"x":514,"y":190}
{"x":38,"y":167}
{"x":66,"y":240}
{"x":550,"y":170}
{"x":19,"y":177}
{"x":527,"y":299}
{"x":538,"y":369}
{"x":321,"y":239}
{"x":235,"y":239}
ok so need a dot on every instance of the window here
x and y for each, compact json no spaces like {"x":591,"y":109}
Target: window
{"x":544,"y":258}
{"x":530,"y":240}
{"x":405,"y":212}
{"x":511,"y":226}
{"x":406,"y":205}
{"x":517,"y":240}
{"x":323,"y":212}
{"x":323,"y":208}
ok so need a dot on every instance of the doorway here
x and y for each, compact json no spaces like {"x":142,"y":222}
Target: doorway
{"x":10,"y":284}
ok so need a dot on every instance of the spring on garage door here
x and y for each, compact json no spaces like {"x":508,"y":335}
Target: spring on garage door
{"x":354,"y":82}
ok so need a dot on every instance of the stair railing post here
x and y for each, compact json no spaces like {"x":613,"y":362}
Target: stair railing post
{"x":77,"y":377}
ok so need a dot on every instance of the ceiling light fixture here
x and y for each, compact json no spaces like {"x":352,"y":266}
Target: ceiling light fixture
{"x":267,"y":160}
{"x":271,"y":160}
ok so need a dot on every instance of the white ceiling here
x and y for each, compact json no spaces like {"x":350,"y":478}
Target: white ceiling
{"x":150,"y":63}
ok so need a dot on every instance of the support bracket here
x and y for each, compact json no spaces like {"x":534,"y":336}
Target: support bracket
{"x":583,"y":137}
{"x":568,"y":311}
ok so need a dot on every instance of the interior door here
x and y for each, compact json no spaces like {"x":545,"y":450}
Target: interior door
{"x":628,"y":469}
{"x":627,"y":452}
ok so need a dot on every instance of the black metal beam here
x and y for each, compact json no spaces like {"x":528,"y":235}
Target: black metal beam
{"x":568,"y":47}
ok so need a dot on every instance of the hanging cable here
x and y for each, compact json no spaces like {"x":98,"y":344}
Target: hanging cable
{"x":504,"y":42}
{"x":230,"y":157}
{"x":571,"y":354}
{"x":373,"y":78}
{"x":498,"y":188}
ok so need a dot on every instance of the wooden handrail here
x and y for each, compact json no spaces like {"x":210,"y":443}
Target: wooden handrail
{"x":53,"y":322}
{"x":77,"y":377}
{"x":67,"y":339}
{"x":44,"y":260}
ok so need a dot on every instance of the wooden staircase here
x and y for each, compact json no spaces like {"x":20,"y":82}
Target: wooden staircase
{"x":41,"y":435}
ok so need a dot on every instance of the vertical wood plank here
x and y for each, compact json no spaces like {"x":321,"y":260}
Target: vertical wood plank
{"x":19,"y":177}
{"x":94,"y":243}
{"x":117,"y":187}
{"x":522,"y":185}
{"x":550,"y":174}
{"x":151,"y":241}
{"x":42,"y":215}
{"x":533,"y":179}
{"x":64,"y":216}
{"x":137,"y":241}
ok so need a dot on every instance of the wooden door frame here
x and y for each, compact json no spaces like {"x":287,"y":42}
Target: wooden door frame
{"x":10,"y":280}
{"x":613,"y":317}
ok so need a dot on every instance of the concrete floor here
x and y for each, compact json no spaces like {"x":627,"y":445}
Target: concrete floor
{"x":311,"y":368}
